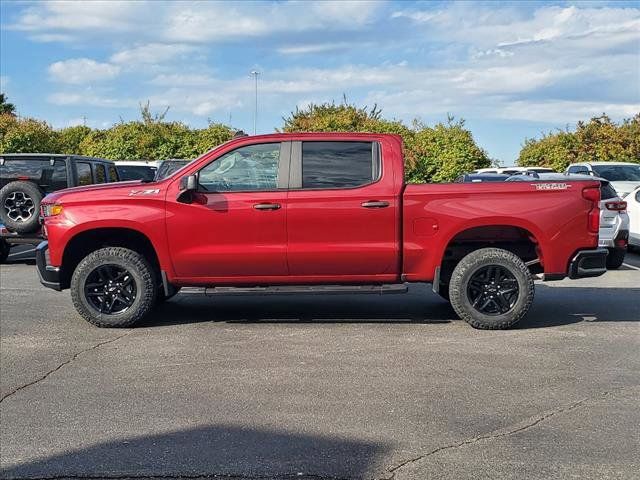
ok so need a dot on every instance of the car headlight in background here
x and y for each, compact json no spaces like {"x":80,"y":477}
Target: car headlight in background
{"x":51,"y":210}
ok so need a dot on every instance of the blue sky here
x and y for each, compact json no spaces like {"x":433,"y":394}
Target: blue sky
{"x":512,"y":69}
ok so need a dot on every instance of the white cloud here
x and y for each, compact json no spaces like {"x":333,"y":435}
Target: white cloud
{"x":188,"y":21}
{"x":486,"y":27}
{"x":82,"y":71}
{"x":150,"y":53}
{"x":304,"y":49}
{"x":569,"y":111}
{"x":73,"y":16}
{"x":89,"y":98}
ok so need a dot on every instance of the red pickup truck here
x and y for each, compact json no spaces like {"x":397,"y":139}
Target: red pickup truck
{"x":315,"y":212}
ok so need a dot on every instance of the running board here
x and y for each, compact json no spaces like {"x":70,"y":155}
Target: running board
{"x":309,"y":289}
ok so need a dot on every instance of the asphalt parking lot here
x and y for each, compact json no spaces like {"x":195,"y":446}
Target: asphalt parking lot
{"x":322,"y":387}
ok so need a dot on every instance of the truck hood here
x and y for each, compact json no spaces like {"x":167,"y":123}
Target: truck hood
{"x":117,"y":188}
{"x":624,"y":188}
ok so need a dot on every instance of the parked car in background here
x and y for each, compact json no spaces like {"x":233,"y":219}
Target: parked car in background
{"x":633,"y":208}
{"x":613,"y":233}
{"x":166,"y":168}
{"x":137,"y":170}
{"x":481,"y":177}
{"x":514,"y":170}
{"x":26,"y":178}
{"x":624,"y":176}
{"x":316,"y":213}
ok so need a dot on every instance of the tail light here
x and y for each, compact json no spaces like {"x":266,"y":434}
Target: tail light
{"x":593,"y":195}
{"x":617,"y":206}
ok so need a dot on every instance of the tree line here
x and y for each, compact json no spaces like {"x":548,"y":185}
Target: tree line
{"x":437,"y":153}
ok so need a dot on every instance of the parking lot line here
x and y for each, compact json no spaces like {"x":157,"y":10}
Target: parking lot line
{"x":631,"y":266}
{"x":22,"y":253}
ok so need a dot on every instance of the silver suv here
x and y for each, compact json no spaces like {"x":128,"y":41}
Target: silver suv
{"x":614,"y":220}
{"x":624,"y":176}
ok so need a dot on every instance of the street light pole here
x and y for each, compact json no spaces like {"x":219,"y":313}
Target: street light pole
{"x":255,"y":74}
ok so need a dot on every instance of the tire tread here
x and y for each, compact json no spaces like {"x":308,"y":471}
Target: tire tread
{"x":479,"y":256}
{"x":138,"y":262}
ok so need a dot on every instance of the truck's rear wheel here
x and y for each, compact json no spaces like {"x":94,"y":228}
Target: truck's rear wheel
{"x":113,"y":287}
{"x":491,"y":289}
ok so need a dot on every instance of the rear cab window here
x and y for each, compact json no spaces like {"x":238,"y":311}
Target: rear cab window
{"x":49,"y":174}
{"x":331,"y":165}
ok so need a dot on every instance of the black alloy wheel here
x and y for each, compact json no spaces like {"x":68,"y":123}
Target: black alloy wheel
{"x":493,"y":290}
{"x":110,"y":289}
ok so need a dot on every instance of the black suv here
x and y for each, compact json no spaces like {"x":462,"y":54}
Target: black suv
{"x":25,"y":178}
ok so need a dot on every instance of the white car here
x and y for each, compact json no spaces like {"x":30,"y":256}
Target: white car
{"x":614,"y":220}
{"x":514,"y":170}
{"x":624,"y":176}
{"x":633,"y":208}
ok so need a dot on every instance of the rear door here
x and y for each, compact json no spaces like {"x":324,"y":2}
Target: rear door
{"x":342,"y":212}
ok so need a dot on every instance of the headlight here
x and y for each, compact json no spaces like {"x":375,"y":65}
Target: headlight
{"x":51,"y":210}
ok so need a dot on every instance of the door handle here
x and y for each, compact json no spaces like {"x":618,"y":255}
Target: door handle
{"x":267,"y":206}
{"x":375,"y":204}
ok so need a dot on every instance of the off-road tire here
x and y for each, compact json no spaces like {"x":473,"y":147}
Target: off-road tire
{"x":5,"y":248}
{"x":143,"y":276}
{"x":26,"y":190}
{"x":474,"y":262}
{"x":615,"y":259}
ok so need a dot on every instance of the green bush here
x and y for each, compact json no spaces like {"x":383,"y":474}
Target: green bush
{"x":432,"y":154}
{"x":70,"y":138}
{"x":600,"y":140}
{"x":26,"y":135}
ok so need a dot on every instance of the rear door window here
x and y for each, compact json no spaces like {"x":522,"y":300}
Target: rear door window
{"x":84,"y":173}
{"x":113,"y":174}
{"x":101,"y":173}
{"x":330,"y":165}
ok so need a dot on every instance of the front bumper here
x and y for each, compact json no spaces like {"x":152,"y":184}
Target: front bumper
{"x":49,"y":275}
{"x":588,"y":263}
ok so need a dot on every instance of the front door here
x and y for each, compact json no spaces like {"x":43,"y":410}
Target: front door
{"x":235,"y":223}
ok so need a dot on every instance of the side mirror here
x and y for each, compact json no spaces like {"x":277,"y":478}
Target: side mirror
{"x":189,"y":184}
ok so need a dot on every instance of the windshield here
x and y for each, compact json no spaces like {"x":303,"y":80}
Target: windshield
{"x":618,"y":173}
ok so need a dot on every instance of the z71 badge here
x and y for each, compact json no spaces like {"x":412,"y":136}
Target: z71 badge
{"x":149,"y":191}
{"x":551,"y":186}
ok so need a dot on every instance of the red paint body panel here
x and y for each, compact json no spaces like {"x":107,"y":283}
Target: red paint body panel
{"x":330,"y":233}
{"x":320,"y":236}
{"x":556,"y":218}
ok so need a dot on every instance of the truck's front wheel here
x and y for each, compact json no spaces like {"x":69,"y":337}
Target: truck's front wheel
{"x":113,"y":287}
{"x":491,"y":289}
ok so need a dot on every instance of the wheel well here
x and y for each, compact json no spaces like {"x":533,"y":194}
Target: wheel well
{"x":89,"y":241}
{"x":514,"y":239}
